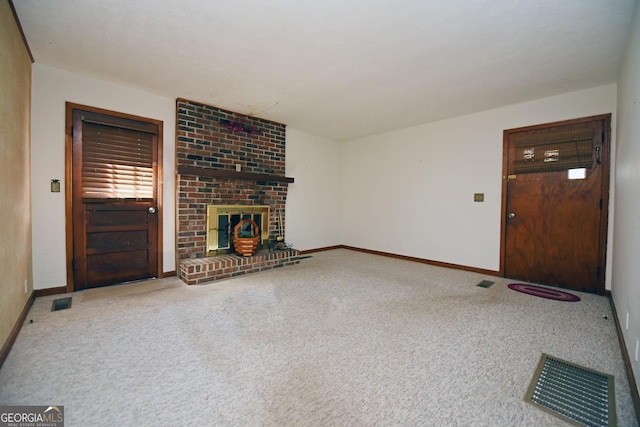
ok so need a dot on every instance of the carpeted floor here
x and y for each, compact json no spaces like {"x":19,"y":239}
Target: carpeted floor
{"x":342,"y":339}
{"x":120,"y":290}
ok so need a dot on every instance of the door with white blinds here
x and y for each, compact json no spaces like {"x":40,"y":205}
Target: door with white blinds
{"x":115,"y":221}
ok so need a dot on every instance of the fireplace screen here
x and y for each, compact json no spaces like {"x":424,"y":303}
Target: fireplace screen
{"x":221,"y":219}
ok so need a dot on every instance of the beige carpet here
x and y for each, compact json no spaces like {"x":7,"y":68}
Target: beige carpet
{"x":342,"y":339}
{"x":120,"y":290}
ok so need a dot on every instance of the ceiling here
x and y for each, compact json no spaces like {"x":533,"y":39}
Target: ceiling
{"x":337,"y":68}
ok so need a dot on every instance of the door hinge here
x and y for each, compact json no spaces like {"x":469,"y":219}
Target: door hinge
{"x":600,"y":204}
{"x":598,"y":271}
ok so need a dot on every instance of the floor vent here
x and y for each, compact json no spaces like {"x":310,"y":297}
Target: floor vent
{"x":485,"y":284}
{"x":577,"y":394}
{"x":61,"y":304}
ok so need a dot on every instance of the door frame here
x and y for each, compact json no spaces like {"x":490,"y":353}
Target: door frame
{"x":604,"y":216}
{"x":68,"y":176}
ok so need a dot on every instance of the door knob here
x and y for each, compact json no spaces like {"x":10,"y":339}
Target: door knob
{"x":152,"y":209}
{"x":512,"y":215}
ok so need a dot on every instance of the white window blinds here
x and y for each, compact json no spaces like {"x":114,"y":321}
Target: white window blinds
{"x":117,"y":162}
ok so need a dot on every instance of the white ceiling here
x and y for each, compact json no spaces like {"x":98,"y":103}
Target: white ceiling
{"x":337,"y":68}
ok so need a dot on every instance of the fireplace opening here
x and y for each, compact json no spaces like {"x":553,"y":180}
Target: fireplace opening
{"x":222,"y":219}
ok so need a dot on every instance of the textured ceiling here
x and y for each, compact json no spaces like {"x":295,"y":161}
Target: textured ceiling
{"x":337,"y":68}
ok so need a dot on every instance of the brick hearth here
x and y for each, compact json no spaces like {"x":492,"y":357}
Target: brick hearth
{"x":226,"y":158}
{"x":200,"y":270}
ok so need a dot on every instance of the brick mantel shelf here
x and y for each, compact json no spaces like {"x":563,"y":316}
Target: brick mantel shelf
{"x":227,"y":173}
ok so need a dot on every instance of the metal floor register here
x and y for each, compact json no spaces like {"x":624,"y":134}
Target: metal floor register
{"x":577,"y":394}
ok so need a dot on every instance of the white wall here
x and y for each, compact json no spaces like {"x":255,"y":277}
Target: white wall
{"x":410,"y":192}
{"x":407,"y":192}
{"x":313,"y":200}
{"x":51,"y":88}
{"x":625,"y":286}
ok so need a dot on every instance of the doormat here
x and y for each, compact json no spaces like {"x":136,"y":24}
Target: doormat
{"x":61,"y":304}
{"x":543,"y":292}
{"x":572,"y":392}
{"x":485,"y":284}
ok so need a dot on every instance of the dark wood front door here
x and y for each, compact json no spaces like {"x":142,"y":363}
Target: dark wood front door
{"x":114,"y":199}
{"x":556,"y":203}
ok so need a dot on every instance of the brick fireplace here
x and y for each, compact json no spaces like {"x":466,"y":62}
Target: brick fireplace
{"x":225,"y":158}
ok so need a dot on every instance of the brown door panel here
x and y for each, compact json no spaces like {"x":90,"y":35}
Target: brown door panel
{"x":549,"y":241}
{"x":116,"y":241}
{"x":117,"y":216}
{"x":110,"y":268}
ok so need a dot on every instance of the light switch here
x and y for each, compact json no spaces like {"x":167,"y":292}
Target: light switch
{"x":478,"y":197}
{"x":55,"y":185}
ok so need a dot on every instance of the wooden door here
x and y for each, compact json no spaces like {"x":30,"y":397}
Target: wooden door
{"x":556,"y":203}
{"x":114,"y":198}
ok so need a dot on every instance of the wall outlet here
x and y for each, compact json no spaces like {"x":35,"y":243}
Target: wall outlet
{"x":626,"y":324}
{"x":238,"y":168}
{"x":26,"y":287}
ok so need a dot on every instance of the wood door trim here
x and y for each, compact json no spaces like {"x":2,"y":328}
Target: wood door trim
{"x":604,"y":217}
{"x":68,"y":176}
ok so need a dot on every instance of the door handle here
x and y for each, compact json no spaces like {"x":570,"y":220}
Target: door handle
{"x":152,"y":209}
{"x":511,"y":215}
